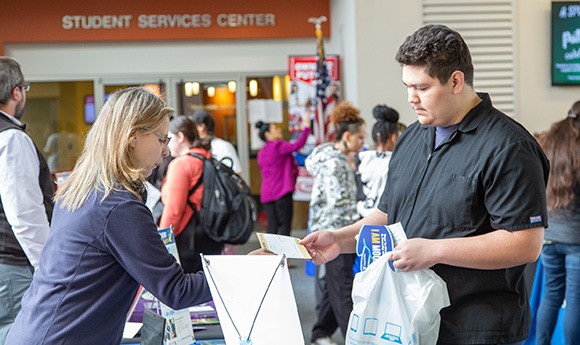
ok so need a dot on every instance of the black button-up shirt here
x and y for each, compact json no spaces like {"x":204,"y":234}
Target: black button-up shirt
{"x":489,"y":174}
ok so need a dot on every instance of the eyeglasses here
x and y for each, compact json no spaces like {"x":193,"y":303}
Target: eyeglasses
{"x":164,"y":140}
{"x":24,"y":86}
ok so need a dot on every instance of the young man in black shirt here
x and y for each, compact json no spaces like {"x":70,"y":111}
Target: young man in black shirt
{"x":467,"y":183}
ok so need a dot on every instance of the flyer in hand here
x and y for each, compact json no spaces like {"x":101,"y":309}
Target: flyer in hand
{"x":178,"y":330}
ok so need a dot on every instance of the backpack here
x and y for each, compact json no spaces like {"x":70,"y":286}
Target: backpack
{"x":228,"y":210}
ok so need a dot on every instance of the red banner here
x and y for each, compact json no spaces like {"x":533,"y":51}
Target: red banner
{"x":303,"y":68}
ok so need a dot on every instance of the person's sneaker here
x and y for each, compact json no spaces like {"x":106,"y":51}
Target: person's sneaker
{"x":324,"y":341}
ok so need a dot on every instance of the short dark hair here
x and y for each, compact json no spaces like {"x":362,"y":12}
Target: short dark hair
{"x":185,"y":125}
{"x":10,"y":77}
{"x":203,"y":117}
{"x":440,"y":49}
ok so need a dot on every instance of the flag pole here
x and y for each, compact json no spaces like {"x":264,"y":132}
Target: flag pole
{"x":319,"y":121}
{"x":318,"y":26}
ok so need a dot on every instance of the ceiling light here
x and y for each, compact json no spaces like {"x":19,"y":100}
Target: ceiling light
{"x":211,"y":91}
{"x":253,"y":87}
{"x":232,"y":86}
{"x":195,"y":88}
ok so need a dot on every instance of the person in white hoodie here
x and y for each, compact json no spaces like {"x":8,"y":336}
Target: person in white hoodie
{"x":372,"y":166}
{"x":333,"y":205}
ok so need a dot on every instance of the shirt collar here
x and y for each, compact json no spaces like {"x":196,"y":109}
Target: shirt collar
{"x":12,"y":118}
{"x":469,"y":122}
{"x":474,"y":116}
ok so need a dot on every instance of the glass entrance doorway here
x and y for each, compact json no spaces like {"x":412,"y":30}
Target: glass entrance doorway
{"x":217,"y":98}
{"x":60,"y":113}
{"x":56,"y":120}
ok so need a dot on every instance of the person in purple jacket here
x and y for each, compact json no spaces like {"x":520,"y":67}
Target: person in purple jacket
{"x":103,"y":242}
{"x":279,"y":171}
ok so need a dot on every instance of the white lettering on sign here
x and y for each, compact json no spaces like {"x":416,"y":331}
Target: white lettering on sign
{"x":305,"y":70}
{"x":168,"y":21}
{"x":97,"y":22}
{"x":572,"y":12}
{"x":572,"y":55}
{"x":163,"y":21}
{"x":246,"y":19}
{"x":570,"y":38}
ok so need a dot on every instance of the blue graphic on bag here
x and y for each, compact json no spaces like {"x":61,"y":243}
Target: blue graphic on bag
{"x":374,"y":241}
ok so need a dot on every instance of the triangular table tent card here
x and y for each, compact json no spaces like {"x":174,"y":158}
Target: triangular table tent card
{"x":254,"y":299}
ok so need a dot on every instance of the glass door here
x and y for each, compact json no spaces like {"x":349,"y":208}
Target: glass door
{"x":217,"y":98}
{"x":222,"y":98}
{"x":107,"y":87}
{"x":56,"y":118}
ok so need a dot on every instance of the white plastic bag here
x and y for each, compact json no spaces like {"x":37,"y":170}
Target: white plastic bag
{"x":392,"y":307}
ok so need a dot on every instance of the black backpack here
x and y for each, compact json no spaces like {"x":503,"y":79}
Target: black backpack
{"x":228,"y":210}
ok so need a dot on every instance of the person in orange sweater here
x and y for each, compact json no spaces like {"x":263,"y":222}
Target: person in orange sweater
{"x":183,"y":172}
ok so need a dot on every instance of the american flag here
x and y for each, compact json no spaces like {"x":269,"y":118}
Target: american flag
{"x":322,"y":127}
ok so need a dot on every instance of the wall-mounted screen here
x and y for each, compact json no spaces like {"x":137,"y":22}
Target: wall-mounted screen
{"x":566,"y":43}
{"x":90,"y":115}
{"x":89,"y":109}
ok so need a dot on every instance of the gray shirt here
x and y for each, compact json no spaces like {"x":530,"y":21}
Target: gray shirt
{"x":565,"y":224}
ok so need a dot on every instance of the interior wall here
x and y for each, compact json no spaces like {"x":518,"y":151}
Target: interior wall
{"x":72,"y":60}
{"x":366,"y":33}
{"x":381,"y":27}
{"x":540,"y":103}
{"x":343,"y":43}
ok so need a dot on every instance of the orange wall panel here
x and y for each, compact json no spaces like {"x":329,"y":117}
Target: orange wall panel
{"x":132,"y":20}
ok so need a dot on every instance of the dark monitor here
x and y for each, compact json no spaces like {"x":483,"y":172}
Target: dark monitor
{"x":89,"y":109}
{"x":566,"y":43}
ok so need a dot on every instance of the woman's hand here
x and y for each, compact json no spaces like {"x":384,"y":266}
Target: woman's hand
{"x":306,"y":119}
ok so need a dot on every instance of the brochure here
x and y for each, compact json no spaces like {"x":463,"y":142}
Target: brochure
{"x":178,"y":330}
{"x":283,"y":245}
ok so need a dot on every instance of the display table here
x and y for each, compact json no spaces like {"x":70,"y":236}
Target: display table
{"x":207,"y":335}
{"x":205,"y":323}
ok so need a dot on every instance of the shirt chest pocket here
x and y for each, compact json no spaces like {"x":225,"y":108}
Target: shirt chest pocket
{"x":452,"y":201}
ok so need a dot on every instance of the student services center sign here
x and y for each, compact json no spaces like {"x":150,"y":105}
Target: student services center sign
{"x":35,"y":21}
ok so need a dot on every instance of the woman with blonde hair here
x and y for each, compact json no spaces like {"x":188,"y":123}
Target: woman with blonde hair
{"x":103,"y":242}
{"x":561,"y":249}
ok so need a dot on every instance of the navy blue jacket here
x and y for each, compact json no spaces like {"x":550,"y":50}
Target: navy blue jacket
{"x":92,"y":265}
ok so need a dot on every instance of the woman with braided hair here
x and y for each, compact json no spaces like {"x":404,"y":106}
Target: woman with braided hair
{"x":372,"y":166}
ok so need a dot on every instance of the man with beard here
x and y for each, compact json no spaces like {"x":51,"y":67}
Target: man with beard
{"x":25,"y":196}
